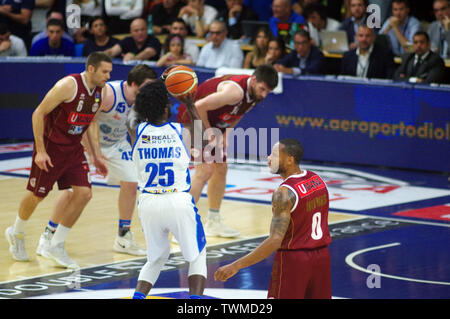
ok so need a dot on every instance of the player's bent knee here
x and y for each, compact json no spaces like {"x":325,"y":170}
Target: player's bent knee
{"x":150,"y":271}
{"x":198,"y":266}
{"x":82,"y":193}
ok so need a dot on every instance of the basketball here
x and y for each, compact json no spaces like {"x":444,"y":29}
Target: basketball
{"x":181,"y":80}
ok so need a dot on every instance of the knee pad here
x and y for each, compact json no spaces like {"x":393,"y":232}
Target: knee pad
{"x":198,"y":266}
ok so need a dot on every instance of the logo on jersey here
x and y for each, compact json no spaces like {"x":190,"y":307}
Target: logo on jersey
{"x":309,"y":186}
{"x":80,"y":118}
{"x":97,"y":98}
{"x":94,"y":107}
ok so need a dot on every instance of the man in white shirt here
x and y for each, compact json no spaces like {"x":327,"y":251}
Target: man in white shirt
{"x":11,"y":45}
{"x":316,"y":16}
{"x":220,"y":51}
{"x":198,"y":16}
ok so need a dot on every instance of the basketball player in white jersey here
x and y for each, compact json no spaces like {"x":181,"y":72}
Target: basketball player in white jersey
{"x":112,"y":123}
{"x":165,"y":205}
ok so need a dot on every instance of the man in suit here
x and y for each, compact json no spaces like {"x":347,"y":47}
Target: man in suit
{"x":306,"y":59}
{"x":422,"y":66}
{"x":358,"y":16}
{"x":369,"y":59}
{"x":439,"y":30}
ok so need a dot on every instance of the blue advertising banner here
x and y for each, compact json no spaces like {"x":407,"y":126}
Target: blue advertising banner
{"x":337,"y":120}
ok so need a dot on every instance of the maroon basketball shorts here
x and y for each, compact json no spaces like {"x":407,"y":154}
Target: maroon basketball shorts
{"x":301,"y":274}
{"x":70,"y":168}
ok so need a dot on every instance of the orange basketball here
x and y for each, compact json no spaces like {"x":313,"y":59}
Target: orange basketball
{"x":181,"y":80}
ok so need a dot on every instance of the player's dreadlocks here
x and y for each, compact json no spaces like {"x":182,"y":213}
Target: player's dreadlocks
{"x":151,"y":102}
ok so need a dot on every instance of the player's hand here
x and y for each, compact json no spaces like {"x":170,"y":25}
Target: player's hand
{"x":100,"y":165}
{"x":226,"y":272}
{"x":42,"y":159}
{"x":166,"y":71}
{"x":187,"y":99}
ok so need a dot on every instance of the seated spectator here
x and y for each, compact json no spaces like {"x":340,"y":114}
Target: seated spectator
{"x":174,"y":47}
{"x":400,"y":28}
{"x":439,"y":30}
{"x":369,"y":59}
{"x":100,"y":40}
{"x":163,"y":14}
{"x":282,"y":13}
{"x":422,"y":66}
{"x":120,"y":14}
{"x":220,"y":51}
{"x":316,"y":16}
{"x":306,"y":59}
{"x":261,"y":7}
{"x":51,"y":14}
{"x":11,"y":45}
{"x":198,"y":16}
{"x":88,"y":10}
{"x":358,"y":16}
{"x":179,"y":27}
{"x":39,"y":15}
{"x":276,"y":50}
{"x":17,"y":15}
{"x":54,"y":43}
{"x":258,"y":55}
{"x":233,"y":16}
{"x":299,"y":5}
{"x":139,"y":46}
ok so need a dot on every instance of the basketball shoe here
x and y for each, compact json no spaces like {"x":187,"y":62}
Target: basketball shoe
{"x":44,"y":241}
{"x":126,"y":245}
{"x":16,"y":244}
{"x":215,"y":228}
{"x":58,"y":254}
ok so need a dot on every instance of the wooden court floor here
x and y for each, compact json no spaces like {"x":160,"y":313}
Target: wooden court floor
{"x":91,"y":239}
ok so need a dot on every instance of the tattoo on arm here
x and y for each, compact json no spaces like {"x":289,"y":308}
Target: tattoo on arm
{"x":282,"y":202}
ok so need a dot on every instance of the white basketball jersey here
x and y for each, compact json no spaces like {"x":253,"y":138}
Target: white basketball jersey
{"x":161,"y":159}
{"x":112,"y":124}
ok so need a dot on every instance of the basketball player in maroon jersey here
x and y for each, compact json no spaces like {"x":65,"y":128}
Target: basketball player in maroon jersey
{"x":59,"y":122}
{"x":298,"y":231}
{"x":221,"y":102}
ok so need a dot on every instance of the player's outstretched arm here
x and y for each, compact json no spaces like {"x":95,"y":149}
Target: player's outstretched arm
{"x":282,"y":202}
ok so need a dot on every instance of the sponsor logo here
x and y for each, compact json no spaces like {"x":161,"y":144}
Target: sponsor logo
{"x":310,"y":186}
{"x":33,"y":182}
{"x":80,"y":118}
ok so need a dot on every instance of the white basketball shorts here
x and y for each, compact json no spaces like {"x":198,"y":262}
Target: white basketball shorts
{"x":171,"y":212}
{"x":120,"y":165}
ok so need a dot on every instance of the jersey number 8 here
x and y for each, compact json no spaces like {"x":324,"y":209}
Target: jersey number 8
{"x":316,"y":230}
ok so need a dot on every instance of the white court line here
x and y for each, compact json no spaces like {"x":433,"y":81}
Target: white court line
{"x":351,"y":263}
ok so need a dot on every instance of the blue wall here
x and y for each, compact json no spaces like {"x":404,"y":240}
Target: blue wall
{"x":341,"y":120}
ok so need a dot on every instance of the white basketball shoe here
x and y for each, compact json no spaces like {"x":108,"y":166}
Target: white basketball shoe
{"x":126,"y":245}
{"x":44,"y":242}
{"x":216,"y":228}
{"x":16,"y":244}
{"x":58,"y":254}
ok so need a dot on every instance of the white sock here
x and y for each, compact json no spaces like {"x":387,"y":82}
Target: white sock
{"x":60,"y":235}
{"x":213,"y":213}
{"x":19,"y":225}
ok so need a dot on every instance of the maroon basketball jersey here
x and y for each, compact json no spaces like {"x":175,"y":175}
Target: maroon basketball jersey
{"x":69,"y":120}
{"x":222,"y":117}
{"x":308,"y":227}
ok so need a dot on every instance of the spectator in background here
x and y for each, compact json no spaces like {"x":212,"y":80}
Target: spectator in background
{"x":163,"y":14}
{"x":198,"y":16}
{"x":358,"y":16}
{"x":385,"y":8}
{"x":276,"y":50}
{"x":54,"y":43}
{"x":11,"y":45}
{"x":120,"y":14}
{"x":316,"y":16}
{"x":173,"y":46}
{"x":283,"y":13}
{"x":220,"y":51}
{"x":233,"y":16}
{"x":51,"y":14}
{"x":139,"y":46}
{"x":422,"y":66}
{"x":39,"y":15}
{"x":400,"y":28}
{"x":299,"y":5}
{"x":306,"y":59}
{"x":179,"y":27}
{"x":439,"y":30}
{"x":260,"y":46}
{"x":261,"y":7}
{"x":17,"y":15}
{"x":89,"y":9}
{"x":369,"y":59}
{"x":100,"y":40}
